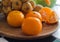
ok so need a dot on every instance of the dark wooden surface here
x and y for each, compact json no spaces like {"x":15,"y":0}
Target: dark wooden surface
{"x":16,"y":33}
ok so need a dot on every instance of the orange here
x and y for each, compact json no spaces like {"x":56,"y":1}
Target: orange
{"x":45,"y":12}
{"x":31,"y":26}
{"x":15,"y":18}
{"x":34,"y":14}
{"x":48,"y":2}
{"x":48,"y":15}
{"x":53,"y":18}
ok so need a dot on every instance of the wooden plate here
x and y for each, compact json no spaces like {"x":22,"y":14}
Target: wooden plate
{"x":16,"y":33}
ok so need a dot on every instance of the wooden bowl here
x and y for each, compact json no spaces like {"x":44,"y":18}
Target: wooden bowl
{"x":16,"y":33}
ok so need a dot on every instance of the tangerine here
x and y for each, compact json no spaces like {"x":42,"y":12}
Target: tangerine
{"x":15,"y":18}
{"x":34,"y":14}
{"x":31,"y":26}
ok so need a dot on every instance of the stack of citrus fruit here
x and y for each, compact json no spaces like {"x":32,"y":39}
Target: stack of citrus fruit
{"x":31,"y":23}
{"x":27,"y":15}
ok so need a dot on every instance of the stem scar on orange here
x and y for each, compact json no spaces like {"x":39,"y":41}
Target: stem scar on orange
{"x":31,"y":26}
{"x":34,"y":14}
{"x":15,"y":18}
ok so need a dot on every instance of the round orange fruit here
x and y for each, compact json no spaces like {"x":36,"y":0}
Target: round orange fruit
{"x":48,"y":2}
{"x":31,"y":26}
{"x":48,"y":15}
{"x":45,"y":12}
{"x":34,"y":14}
{"x":15,"y":18}
{"x":52,"y":19}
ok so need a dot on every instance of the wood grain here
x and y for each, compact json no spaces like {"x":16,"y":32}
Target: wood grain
{"x":16,"y":33}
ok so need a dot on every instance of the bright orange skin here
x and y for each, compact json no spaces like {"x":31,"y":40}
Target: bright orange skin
{"x":48,"y":15}
{"x":15,"y":18}
{"x":48,"y":2}
{"x":53,"y":18}
{"x":34,"y":14}
{"x":45,"y":13}
{"x":31,"y":26}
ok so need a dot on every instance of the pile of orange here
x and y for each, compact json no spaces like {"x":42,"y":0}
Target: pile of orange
{"x":31,"y":23}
